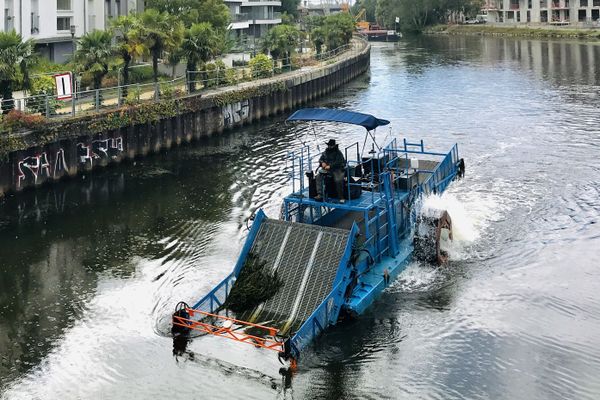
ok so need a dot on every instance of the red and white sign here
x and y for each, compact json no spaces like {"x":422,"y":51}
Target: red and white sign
{"x":64,"y":86}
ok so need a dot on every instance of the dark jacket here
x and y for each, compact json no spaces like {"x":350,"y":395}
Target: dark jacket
{"x":334,"y":158}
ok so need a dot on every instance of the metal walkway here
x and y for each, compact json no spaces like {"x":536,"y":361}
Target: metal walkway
{"x":306,"y":258}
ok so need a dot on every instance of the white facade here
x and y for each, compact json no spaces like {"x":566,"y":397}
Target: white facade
{"x":253,"y":18}
{"x":551,"y":12}
{"x":49,"y":22}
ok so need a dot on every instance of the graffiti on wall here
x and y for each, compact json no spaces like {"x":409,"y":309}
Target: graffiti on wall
{"x":235,"y":112}
{"x":38,"y":167}
{"x":32,"y":168}
{"x":102,"y":149}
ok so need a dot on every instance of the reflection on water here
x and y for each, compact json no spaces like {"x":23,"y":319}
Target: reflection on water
{"x":90,"y":269}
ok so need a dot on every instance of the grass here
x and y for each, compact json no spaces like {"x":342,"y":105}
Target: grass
{"x":541,"y":32}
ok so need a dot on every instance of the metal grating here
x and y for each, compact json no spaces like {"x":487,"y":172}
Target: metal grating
{"x":299,"y":261}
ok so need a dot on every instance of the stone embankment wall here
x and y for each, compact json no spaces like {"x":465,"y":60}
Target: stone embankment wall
{"x":67,"y":147}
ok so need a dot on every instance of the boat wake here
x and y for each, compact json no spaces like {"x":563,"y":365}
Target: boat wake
{"x":471,"y":216}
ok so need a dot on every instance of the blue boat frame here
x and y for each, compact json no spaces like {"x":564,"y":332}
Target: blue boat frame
{"x":381,"y":220}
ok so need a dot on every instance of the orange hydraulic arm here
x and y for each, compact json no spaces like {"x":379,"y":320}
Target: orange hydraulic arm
{"x":226,"y":330}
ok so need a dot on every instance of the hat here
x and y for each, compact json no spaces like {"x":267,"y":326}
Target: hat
{"x":331,"y":142}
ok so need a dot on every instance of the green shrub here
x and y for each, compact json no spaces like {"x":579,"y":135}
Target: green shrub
{"x":261,"y":66}
{"x":211,"y":75}
{"x":221,"y":69}
{"x":41,"y":86}
{"x":166,"y":90}
{"x":231,"y":77}
{"x":246,"y":75}
{"x":133,"y":96}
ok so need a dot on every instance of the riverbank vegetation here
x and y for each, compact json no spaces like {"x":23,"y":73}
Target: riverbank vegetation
{"x":16,"y":59}
{"x":415,"y":15}
{"x":524,"y":31}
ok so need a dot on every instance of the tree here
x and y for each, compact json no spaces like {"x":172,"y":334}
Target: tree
{"x":215,"y":12}
{"x":194,"y":11}
{"x":318,"y":37}
{"x":370,"y":7}
{"x":94,"y":54}
{"x":16,"y":57}
{"x":200,"y":44}
{"x":338,"y":30}
{"x":334,"y":30}
{"x":160,"y":32}
{"x":129,"y":45}
{"x":281,"y":41}
{"x":290,"y":7}
{"x":417,"y":14}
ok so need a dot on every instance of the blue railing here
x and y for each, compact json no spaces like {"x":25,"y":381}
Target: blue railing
{"x":216,"y":297}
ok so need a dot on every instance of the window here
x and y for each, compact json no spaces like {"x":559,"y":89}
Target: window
{"x":63,"y":23}
{"x":583,"y":3}
{"x":63,"y":5}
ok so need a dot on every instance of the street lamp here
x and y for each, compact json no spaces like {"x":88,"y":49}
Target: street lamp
{"x":72,"y":29}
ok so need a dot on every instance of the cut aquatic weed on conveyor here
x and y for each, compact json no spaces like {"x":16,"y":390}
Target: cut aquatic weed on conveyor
{"x":255,"y":285}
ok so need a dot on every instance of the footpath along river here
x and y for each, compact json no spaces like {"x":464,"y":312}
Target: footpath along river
{"x":90,"y":268}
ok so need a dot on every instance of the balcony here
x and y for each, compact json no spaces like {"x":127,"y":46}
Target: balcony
{"x":254,"y":3}
{"x":239,"y":21}
{"x":239,"y":17}
{"x":265,"y":18}
{"x":491,"y":6}
{"x":559,"y":5}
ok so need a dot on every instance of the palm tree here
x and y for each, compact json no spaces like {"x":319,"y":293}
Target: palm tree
{"x":160,"y":32}
{"x":129,"y":44}
{"x":318,"y":36}
{"x":94,"y":55}
{"x":281,"y":41}
{"x":15,"y":55}
{"x":200,"y":44}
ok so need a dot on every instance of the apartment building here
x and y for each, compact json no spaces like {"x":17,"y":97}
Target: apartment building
{"x":253,"y":18}
{"x":550,"y":12}
{"x":54,"y":23}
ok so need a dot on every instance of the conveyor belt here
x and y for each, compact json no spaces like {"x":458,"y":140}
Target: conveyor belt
{"x":306,"y":258}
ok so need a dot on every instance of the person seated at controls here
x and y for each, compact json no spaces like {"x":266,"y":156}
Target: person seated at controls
{"x":333,"y":163}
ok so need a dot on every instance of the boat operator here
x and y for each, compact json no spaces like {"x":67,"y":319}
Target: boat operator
{"x":333,"y":163}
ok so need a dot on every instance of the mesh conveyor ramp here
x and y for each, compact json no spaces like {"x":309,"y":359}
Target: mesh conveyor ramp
{"x":306,"y":258}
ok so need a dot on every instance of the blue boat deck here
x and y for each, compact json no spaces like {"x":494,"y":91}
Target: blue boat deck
{"x":365,"y":202}
{"x":371,"y":283}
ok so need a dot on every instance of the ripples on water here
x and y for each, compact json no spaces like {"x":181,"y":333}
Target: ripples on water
{"x":92,"y":268}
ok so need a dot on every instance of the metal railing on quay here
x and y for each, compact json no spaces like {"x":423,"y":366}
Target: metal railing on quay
{"x":95,"y":100}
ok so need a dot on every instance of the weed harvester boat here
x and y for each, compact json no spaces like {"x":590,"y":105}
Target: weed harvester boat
{"x":325,"y":260}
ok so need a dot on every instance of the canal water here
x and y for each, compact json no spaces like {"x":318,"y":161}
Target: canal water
{"x":90,"y":269}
